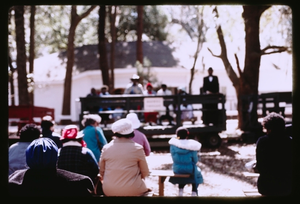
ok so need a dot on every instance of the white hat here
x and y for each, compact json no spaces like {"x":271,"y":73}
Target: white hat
{"x":134,"y":119}
{"x":122,"y":126}
{"x":94,"y":117}
{"x":135,"y":76}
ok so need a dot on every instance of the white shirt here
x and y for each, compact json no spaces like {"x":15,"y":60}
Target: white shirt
{"x":161,"y":92}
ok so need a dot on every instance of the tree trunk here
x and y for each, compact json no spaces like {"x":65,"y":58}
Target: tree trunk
{"x":102,"y":46}
{"x":139,"y":43}
{"x":75,"y":19}
{"x":248,"y":91}
{"x":21,"y":56}
{"x":11,"y":81}
{"x":31,"y":52}
{"x":112,"y":45}
{"x":246,"y":85}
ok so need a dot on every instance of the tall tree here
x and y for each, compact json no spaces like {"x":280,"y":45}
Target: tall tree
{"x":75,"y":19}
{"x":246,"y":84}
{"x":112,"y":20}
{"x":31,"y":50}
{"x":103,"y":64}
{"x":21,"y":56}
{"x":139,"y":43}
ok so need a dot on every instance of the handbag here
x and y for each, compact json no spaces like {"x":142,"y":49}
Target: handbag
{"x":100,"y":145}
{"x":98,"y":190}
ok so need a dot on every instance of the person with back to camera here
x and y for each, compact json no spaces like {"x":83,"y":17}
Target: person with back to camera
{"x":47,"y":126}
{"x":184,"y":153}
{"x":139,"y":137}
{"x":17,"y":151}
{"x":93,"y":134}
{"x":74,"y":157}
{"x":43,"y":178}
{"x":123,"y":165}
{"x":274,"y":158}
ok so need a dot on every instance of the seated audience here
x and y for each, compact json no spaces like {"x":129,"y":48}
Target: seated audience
{"x":93,"y":134}
{"x":134,"y":87}
{"x":184,"y":153}
{"x":47,"y":126}
{"x":139,"y":137}
{"x":123,"y":164}
{"x":274,"y":158}
{"x":74,"y":157}
{"x":17,"y":151}
{"x":43,"y":178}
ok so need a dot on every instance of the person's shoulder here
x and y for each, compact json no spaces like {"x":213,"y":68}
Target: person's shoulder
{"x":262,"y":139}
{"x":17,"y":176}
{"x":71,"y":176}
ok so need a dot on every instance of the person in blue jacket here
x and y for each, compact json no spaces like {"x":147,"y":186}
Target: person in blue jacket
{"x":93,"y":134}
{"x":184,"y":153}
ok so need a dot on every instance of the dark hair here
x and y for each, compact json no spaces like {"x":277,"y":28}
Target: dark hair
{"x":274,"y":122}
{"x":29,"y":132}
{"x":164,"y":85}
{"x":89,"y":121}
{"x":130,"y":135}
{"x":182,"y":133}
{"x":45,"y":124}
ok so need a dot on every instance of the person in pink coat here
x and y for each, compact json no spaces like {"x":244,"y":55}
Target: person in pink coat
{"x":139,"y":137}
{"x":123,"y":165}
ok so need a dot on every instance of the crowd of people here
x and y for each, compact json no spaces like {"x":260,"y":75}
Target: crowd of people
{"x":44,"y":163}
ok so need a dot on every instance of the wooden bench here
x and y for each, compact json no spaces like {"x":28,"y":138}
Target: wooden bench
{"x":162,"y":175}
{"x":251,"y":192}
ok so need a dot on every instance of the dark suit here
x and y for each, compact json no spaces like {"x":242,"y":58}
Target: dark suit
{"x":212,"y":86}
{"x":210,"y":114}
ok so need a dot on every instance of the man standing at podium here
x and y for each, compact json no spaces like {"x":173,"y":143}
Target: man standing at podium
{"x":210,"y":86}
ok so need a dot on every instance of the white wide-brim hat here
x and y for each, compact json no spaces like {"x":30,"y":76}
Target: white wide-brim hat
{"x":94,"y":117}
{"x":134,"y":119}
{"x":122,"y":126}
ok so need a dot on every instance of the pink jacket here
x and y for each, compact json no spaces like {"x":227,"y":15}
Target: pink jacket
{"x":123,"y":167}
{"x":141,"y":139}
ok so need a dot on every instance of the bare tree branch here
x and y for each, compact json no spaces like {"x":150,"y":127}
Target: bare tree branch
{"x":271,"y":49}
{"x":219,"y":56}
{"x":238,"y":65}
{"x":185,"y":26}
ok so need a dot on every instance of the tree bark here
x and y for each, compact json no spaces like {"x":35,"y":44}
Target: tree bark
{"x":139,"y":44}
{"x":246,"y":85}
{"x":31,"y":51}
{"x":11,"y":81}
{"x":21,"y":56}
{"x":75,"y":19}
{"x":102,"y":46}
{"x":248,"y":92}
{"x":113,"y":13}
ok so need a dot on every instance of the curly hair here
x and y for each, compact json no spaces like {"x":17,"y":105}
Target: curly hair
{"x":29,"y":132}
{"x":274,"y":122}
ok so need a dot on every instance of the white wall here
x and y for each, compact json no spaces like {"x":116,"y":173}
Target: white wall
{"x":50,"y":93}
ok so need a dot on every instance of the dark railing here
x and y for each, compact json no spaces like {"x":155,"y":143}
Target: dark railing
{"x":135,"y":103}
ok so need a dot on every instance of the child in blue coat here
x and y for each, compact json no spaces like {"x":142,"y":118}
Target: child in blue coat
{"x":184,"y":153}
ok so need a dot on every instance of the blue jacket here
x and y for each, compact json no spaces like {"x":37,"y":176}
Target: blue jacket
{"x":185,"y":157}
{"x":90,"y":139}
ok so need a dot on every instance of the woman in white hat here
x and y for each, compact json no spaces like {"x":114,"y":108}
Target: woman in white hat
{"x":123,"y":164}
{"x":139,"y":137}
{"x":93,"y":134}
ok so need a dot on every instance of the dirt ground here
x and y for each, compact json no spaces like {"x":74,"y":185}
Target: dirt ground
{"x":221,"y":169}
